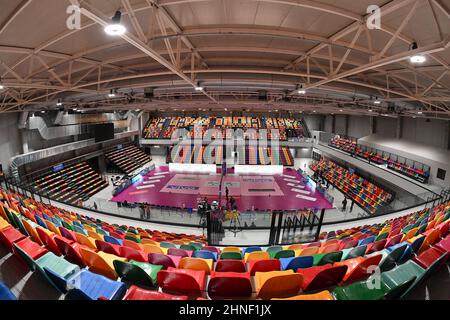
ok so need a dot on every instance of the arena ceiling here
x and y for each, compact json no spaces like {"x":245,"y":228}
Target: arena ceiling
{"x":236,"y":50}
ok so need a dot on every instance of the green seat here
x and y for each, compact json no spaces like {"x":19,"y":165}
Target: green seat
{"x":374,"y":288}
{"x":80,"y":230}
{"x":167,"y":245}
{"x":138,"y":273}
{"x":272,"y":251}
{"x":197,"y":245}
{"x":132,"y":239}
{"x":328,"y":258}
{"x":231,"y":256}
{"x":101,"y":231}
{"x":58,"y":265}
{"x":188,"y":247}
{"x":67,"y":225}
{"x":356,"y":252}
{"x":285,"y":254}
{"x":403,"y":273}
{"x":382,"y":236}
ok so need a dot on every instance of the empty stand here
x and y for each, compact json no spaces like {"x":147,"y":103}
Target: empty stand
{"x":127,"y":158}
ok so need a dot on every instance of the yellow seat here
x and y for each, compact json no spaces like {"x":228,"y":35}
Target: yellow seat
{"x":295,"y":247}
{"x":151,"y":248}
{"x":323,"y":295}
{"x":231,"y":249}
{"x":32,"y":232}
{"x":88,"y":228}
{"x":3,"y":224}
{"x":100,"y":262}
{"x":278,"y":284}
{"x":87,"y":241}
{"x":309,"y":251}
{"x":52,"y":227}
{"x":197,"y":264}
{"x":257,"y":255}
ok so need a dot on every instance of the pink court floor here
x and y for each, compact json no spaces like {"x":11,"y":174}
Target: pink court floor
{"x":281,"y":192}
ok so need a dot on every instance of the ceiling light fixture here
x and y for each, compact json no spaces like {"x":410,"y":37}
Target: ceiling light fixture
{"x":1,"y":85}
{"x":420,"y":112}
{"x":198,"y":87}
{"x":377,"y":101}
{"x":417,"y":58}
{"x":59,"y":103}
{"x":112,"y":93}
{"x":301,"y":89}
{"x":115,"y":28}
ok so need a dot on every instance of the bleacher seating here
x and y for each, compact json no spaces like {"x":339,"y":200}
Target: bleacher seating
{"x":350,"y":146}
{"x":163,"y":127}
{"x":253,"y":155}
{"x":77,"y":182}
{"x":366,"y":194}
{"x":127,"y":158}
{"x":86,"y":258}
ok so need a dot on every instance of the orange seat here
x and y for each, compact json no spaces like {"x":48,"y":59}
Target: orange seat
{"x":149,"y":241}
{"x":86,"y":241}
{"x":150,"y":248}
{"x":430,"y":239}
{"x":132,"y":244}
{"x":309,"y":251}
{"x":100,"y":262}
{"x":52,"y":227}
{"x":278,"y":284}
{"x":94,"y":235}
{"x":231,"y":249}
{"x":359,"y":268}
{"x":329,"y":248}
{"x":197,"y":264}
{"x":32,"y":232}
{"x":257,"y":255}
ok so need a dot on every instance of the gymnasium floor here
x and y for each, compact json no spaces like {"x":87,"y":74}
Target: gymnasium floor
{"x":252,"y":192}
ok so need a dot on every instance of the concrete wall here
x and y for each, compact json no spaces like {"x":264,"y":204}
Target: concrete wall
{"x":10,"y":138}
{"x":432,"y":132}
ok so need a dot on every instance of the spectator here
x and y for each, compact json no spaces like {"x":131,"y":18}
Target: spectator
{"x":351,"y":206}
{"x":344,"y":204}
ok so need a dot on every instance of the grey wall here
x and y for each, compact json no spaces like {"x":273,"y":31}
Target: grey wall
{"x":433,"y":132}
{"x":314,"y":122}
{"x":10,"y":138}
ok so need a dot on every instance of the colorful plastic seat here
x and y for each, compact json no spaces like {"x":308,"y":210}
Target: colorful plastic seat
{"x":230,"y":255}
{"x":5,"y":293}
{"x":136,"y":272}
{"x":164,"y":260}
{"x":151,"y":248}
{"x":48,"y":239}
{"x":70,"y":250}
{"x":224,"y":285}
{"x":203,"y":254}
{"x":179,"y":252}
{"x":100,"y":262}
{"x":263,"y":266}
{"x":323,"y":295}
{"x":359,"y":268}
{"x":230,"y":266}
{"x":196,"y":264}
{"x":257,"y":255}
{"x":296,"y":263}
{"x":277,"y":284}
{"x":133,"y":254}
{"x":112,"y":240}
{"x":321,"y":277}
{"x":108,"y":247}
{"x":10,"y":235}
{"x":251,"y":249}
{"x":182,"y":281}
{"x":31,"y":248}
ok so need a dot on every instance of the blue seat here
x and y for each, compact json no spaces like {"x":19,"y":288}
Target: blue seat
{"x":86,"y":285}
{"x":406,"y":254}
{"x":252,"y":249}
{"x":5,"y":293}
{"x":296,"y":263}
{"x":112,"y":240}
{"x":40,"y":221}
{"x":46,"y":217}
{"x":80,"y":230}
{"x":366,"y":240}
{"x":205,"y":254}
{"x":415,"y":246}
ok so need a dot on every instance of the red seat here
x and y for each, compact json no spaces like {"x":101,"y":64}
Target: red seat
{"x":392,"y":241}
{"x":444,"y":244}
{"x":133,"y":254}
{"x":346,"y":244}
{"x":321,"y":277}
{"x":179,"y":252}
{"x":71,"y":250}
{"x":376,"y":246}
{"x":263,"y":266}
{"x":31,"y":248}
{"x":166,"y":261}
{"x":69,"y":235}
{"x":48,"y":241}
{"x":184,"y":281}
{"x":108,"y":247}
{"x":429,"y":256}
{"x":136,"y":293}
{"x":359,"y":268}
{"x":212,"y":249}
{"x":230,"y":266}
{"x":9,"y":236}
{"x":229,"y":285}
